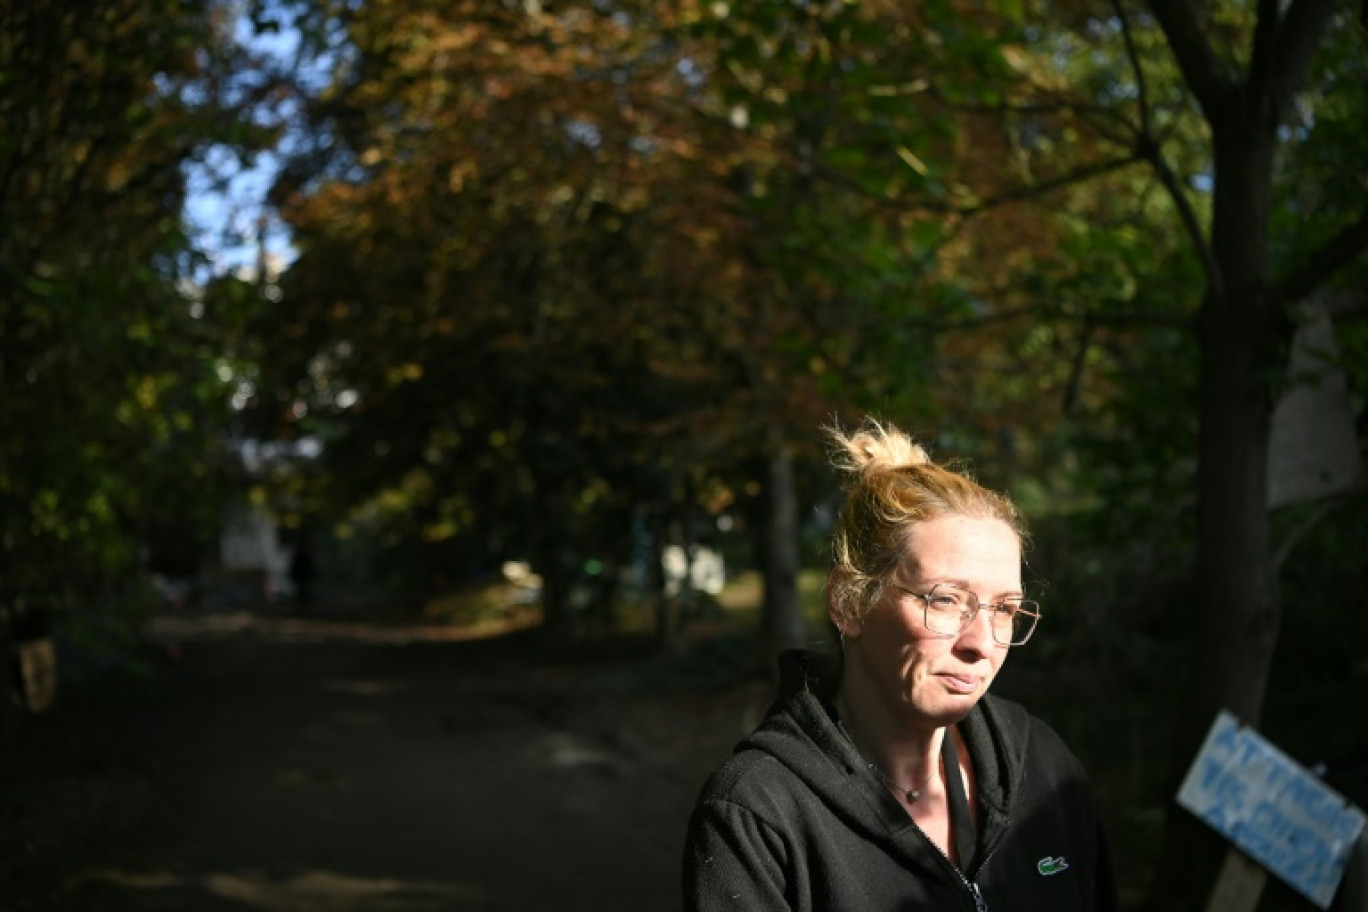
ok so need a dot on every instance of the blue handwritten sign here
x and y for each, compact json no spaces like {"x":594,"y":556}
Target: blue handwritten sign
{"x":1277,"y":812}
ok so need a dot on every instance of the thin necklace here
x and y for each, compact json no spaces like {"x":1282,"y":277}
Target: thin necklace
{"x":910,"y":794}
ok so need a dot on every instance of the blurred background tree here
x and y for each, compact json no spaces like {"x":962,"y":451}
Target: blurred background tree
{"x":112,"y":411}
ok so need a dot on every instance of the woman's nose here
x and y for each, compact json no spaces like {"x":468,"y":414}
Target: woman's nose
{"x":978,"y":635}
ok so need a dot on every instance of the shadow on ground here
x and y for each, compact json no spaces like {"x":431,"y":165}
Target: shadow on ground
{"x":285,"y":764}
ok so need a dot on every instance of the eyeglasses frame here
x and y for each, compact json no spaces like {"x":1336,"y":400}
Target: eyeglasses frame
{"x":967,"y":618}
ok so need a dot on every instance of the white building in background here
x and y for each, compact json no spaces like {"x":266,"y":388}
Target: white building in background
{"x":707,"y":574}
{"x":250,"y":548}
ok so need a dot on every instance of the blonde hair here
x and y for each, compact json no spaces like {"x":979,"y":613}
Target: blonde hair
{"x":890,"y":485}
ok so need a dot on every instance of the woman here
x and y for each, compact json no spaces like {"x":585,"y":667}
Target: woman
{"x":895,"y":781}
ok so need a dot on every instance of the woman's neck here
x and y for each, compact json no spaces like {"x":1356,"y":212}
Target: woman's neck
{"x":903,"y":752}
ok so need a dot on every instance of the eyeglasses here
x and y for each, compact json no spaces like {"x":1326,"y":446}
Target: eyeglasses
{"x":950,"y":610}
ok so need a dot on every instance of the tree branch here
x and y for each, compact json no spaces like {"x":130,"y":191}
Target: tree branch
{"x":1321,"y":264}
{"x":1141,"y":86}
{"x":1262,"y":59}
{"x":1148,"y":146}
{"x":1080,"y":360}
{"x":1178,"y":19}
{"x":1097,"y":116}
{"x":1092,"y":320}
{"x":1191,"y":224}
{"x":1015,"y":194}
{"x":1297,"y":40}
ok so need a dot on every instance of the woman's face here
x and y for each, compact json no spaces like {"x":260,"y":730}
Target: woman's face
{"x":921,"y":677}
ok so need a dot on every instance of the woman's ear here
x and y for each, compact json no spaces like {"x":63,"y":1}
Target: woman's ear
{"x":839,"y":605}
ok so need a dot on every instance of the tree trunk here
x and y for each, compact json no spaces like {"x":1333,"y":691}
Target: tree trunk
{"x":553,"y":559}
{"x":686,"y":600}
{"x":782,"y":624}
{"x":558,"y":620}
{"x":672,"y":610}
{"x":1235,"y":609}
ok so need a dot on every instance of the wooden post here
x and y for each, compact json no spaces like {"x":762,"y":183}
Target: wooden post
{"x":1239,"y":885}
{"x":1353,"y":893}
{"x":38,"y":674}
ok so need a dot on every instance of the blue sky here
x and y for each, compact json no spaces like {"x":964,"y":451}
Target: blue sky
{"x":225,"y":208}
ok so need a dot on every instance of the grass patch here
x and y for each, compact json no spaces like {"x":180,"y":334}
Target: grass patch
{"x":742,"y":594}
{"x":490,"y":606}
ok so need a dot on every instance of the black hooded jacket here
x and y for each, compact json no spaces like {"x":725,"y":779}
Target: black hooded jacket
{"x":795,"y":820}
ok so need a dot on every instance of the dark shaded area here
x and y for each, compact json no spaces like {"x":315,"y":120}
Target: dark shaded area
{"x":260,"y":761}
{"x":294,"y":765}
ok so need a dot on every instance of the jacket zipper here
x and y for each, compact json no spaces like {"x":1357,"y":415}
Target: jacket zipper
{"x":980,"y":904}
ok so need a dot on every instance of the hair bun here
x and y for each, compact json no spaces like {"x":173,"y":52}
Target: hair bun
{"x":875,"y":447}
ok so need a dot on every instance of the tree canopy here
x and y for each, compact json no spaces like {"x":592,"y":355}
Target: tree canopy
{"x":112,"y":406}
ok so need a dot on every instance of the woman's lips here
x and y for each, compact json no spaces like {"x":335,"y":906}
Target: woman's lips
{"x":961,"y":683}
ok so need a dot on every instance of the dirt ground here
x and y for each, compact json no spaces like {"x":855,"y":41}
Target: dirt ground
{"x":291,"y":765}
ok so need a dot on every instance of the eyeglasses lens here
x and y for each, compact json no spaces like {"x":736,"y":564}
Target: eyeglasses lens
{"x":949,"y":610}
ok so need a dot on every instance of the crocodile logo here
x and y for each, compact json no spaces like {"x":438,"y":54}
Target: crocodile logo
{"x":1047,"y":865}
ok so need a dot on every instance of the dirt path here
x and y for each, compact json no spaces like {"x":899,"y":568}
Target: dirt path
{"x":332,"y":767}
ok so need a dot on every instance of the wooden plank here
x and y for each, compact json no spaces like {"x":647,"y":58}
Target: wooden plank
{"x":38,"y":674}
{"x":1239,"y":884}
